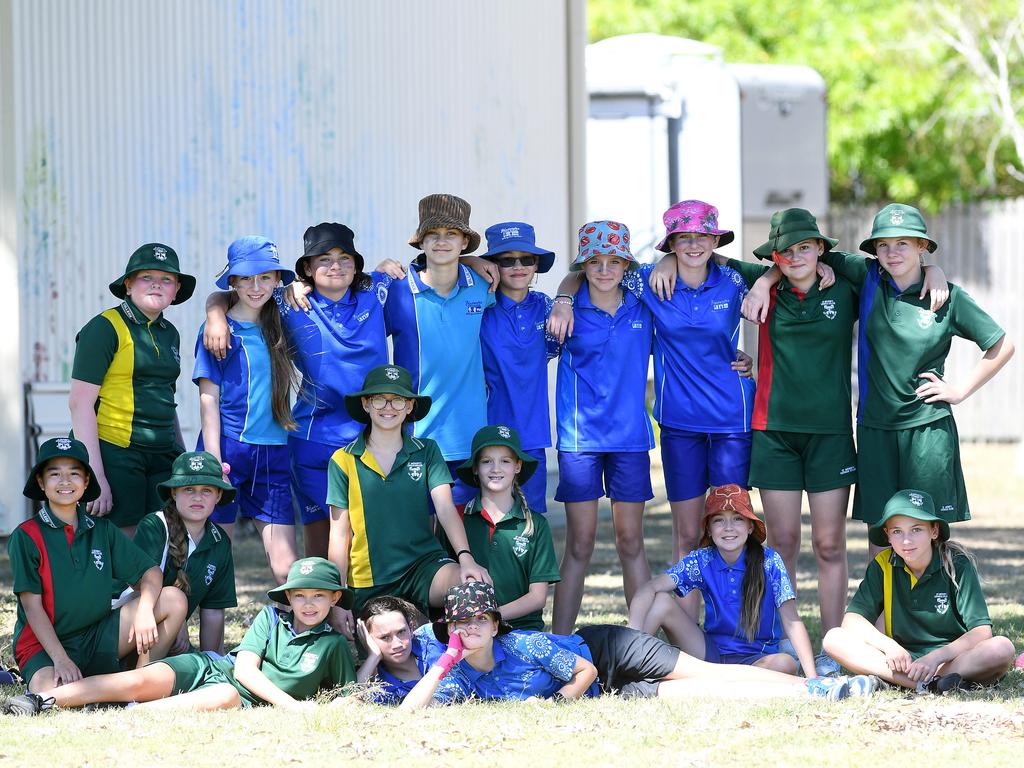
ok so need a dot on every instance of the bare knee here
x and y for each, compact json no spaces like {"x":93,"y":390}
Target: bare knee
{"x":42,"y":680}
{"x":173,"y":603}
{"x":779,"y":662}
{"x":629,"y":545}
{"x":226,"y":697}
{"x":833,"y":640}
{"x":1001,"y":652}
{"x":580,"y":548}
{"x":829,"y":550}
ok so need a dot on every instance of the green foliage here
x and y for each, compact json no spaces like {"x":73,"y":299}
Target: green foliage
{"x":906,"y":118}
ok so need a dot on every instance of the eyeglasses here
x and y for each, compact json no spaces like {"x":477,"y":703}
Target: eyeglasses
{"x":379,"y":402}
{"x":526,"y":260}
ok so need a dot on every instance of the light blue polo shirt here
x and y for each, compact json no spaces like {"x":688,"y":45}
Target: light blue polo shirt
{"x":721,"y":585}
{"x":696,"y":334}
{"x":244,"y":379}
{"x":516,"y":348}
{"x":334,"y":345}
{"x":601,"y":389}
{"x":437,"y":338}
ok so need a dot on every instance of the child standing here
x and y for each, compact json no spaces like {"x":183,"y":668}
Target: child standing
{"x":937,"y":629}
{"x":604,"y":433}
{"x":66,"y":565}
{"x":748,"y":598}
{"x":193,"y":552}
{"x":126,"y":367}
{"x":244,"y":401}
{"x":505,"y":537}
{"x":516,"y":347}
{"x":285,"y":659}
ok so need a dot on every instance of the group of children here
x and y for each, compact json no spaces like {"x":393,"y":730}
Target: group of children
{"x":421,"y":484}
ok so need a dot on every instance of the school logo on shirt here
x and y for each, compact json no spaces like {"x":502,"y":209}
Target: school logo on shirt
{"x":97,"y":559}
{"x":828,"y":308}
{"x":308,"y":662}
{"x":211,"y":569}
{"x":160,"y":254}
{"x":63,"y":444}
{"x":415,"y":470}
{"x":195,"y":463}
{"x":916,"y":499}
{"x":718,"y":306}
{"x":925,"y":318}
{"x":362,"y":317}
{"x":520,"y":545}
{"x":637,"y":325}
{"x":941,"y":602}
{"x":474,"y":307}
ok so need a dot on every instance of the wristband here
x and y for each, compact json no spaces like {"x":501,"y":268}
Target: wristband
{"x":570,"y":300}
{"x":462,"y":552}
{"x":446,"y":661}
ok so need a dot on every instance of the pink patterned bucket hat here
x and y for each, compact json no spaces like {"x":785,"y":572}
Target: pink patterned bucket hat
{"x":693,"y":216}
{"x":598,"y":238}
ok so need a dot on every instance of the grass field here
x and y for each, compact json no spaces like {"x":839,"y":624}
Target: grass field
{"x":984,"y":729}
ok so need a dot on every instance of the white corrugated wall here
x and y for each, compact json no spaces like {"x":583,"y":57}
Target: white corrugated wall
{"x":195,"y":122}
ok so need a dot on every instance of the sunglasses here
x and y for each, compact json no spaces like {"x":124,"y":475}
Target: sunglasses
{"x":526,"y":260}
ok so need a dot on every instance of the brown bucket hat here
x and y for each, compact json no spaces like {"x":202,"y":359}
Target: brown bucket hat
{"x":441,"y":210}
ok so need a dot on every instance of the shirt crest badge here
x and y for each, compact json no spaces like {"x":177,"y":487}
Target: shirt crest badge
{"x":195,"y":463}
{"x":520,"y":546}
{"x":97,"y":559}
{"x":925,"y":318}
{"x":159,"y":253}
{"x":828,"y":308}
{"x":415,"y":470}
{"x":941,"y":602}
{"x":211,"y":569}
{"x":916,"y":499}
{"x":896,"y":217}
{"x":308,"y":662}
{"x":63,"y":444}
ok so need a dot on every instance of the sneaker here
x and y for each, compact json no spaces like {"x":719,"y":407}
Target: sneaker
{"x":826,"y":666}
{"x":831,"y":688}
{"x":25,"y":704}
{"x":862,"y":685}
{"x":944,"y":684}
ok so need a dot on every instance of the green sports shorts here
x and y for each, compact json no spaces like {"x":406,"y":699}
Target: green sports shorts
{"x":94,"y":650}
{"x":133,"y":476}
{"x":922,"y":458}
{"x":414,"y":586}
{"x":801,"y":461}
{"x":193,"y":671}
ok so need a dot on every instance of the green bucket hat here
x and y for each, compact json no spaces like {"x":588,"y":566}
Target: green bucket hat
{"x":915,"y":504}
{"x":56,"y":448}
{"x":155,"y":256}
{"x":789,"y":227}
{"x":496,"y":435}
{"x":898,"y":220}
{"x":387,"y":380}
{"x":313,"y":573}
{"x":196,"y":468}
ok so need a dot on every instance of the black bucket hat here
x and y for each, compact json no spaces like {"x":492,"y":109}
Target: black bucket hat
{"x":496,"y":435}
{"x":319,"y":239}
{"x":56,"y":448}
{"x":196,"y":468}
{"x":155,"y":256}
{"x":464,"y":601}
{"x":313,"y":573}
{"x":387,"y":380}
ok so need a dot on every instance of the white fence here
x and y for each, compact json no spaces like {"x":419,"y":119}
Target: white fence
{"x":981,"y":248}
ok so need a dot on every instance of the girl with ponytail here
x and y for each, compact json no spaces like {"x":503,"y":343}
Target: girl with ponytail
{"x":504,"y":536}
{"x":749,"y":600}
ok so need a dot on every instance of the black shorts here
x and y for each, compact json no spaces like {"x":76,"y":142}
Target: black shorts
{"x":629,"y":662}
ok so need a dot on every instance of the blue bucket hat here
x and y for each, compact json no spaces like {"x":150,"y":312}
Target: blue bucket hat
{"x":252,"y":255}
{"x":516,"y":236}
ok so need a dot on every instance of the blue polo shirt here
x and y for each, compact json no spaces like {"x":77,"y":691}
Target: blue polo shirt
{"x":426,"y":649}
{"x":525,"y":664}
{"x":437,"y":338}
{"x":516,"y":348}
{"x":246,"y":413}
{"x":696,"y":334}
{"x":602,"y":378}
{"x":334,"y":345}
{"x":721,"y":585}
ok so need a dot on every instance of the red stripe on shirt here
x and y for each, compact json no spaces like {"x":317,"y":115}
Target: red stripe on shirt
{"x":763,"y":393}
{"x":28,"y":644}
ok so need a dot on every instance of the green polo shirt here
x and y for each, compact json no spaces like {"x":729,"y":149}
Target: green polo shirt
{"x":900,"y":338}
{"x":514,"y":561}
{"x":135,"y":362}
{"x":389,"y":514}
{"x":804,"y":357}
{"x":75,"y":569}
{"x":299,"y":664}
{"x":210,"y":567}
{"x":921,"y":614}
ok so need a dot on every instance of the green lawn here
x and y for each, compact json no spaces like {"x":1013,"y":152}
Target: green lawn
{"x":984,"y":728}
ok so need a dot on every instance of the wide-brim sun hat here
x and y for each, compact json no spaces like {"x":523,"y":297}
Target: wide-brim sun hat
{"x":491,"y":436}
{"x":516,"y":236}
{"x":56,"y":448}
{"x":197,"y":468}
{"x":442,"y":210}
{"x":387,"y":380}
{"x":603,"y":238}
{"x":730,"y":498}
{"x":910,"y":503}
{"x":321,"y":238}
{"x":789,"y":227}
{"x":464,"y":601}
{"x":693,"y":216}
{"x":252,"y":255}
{"x":313,"y":573}
{"x":160,"y":257}
{"x":898,"y":220}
